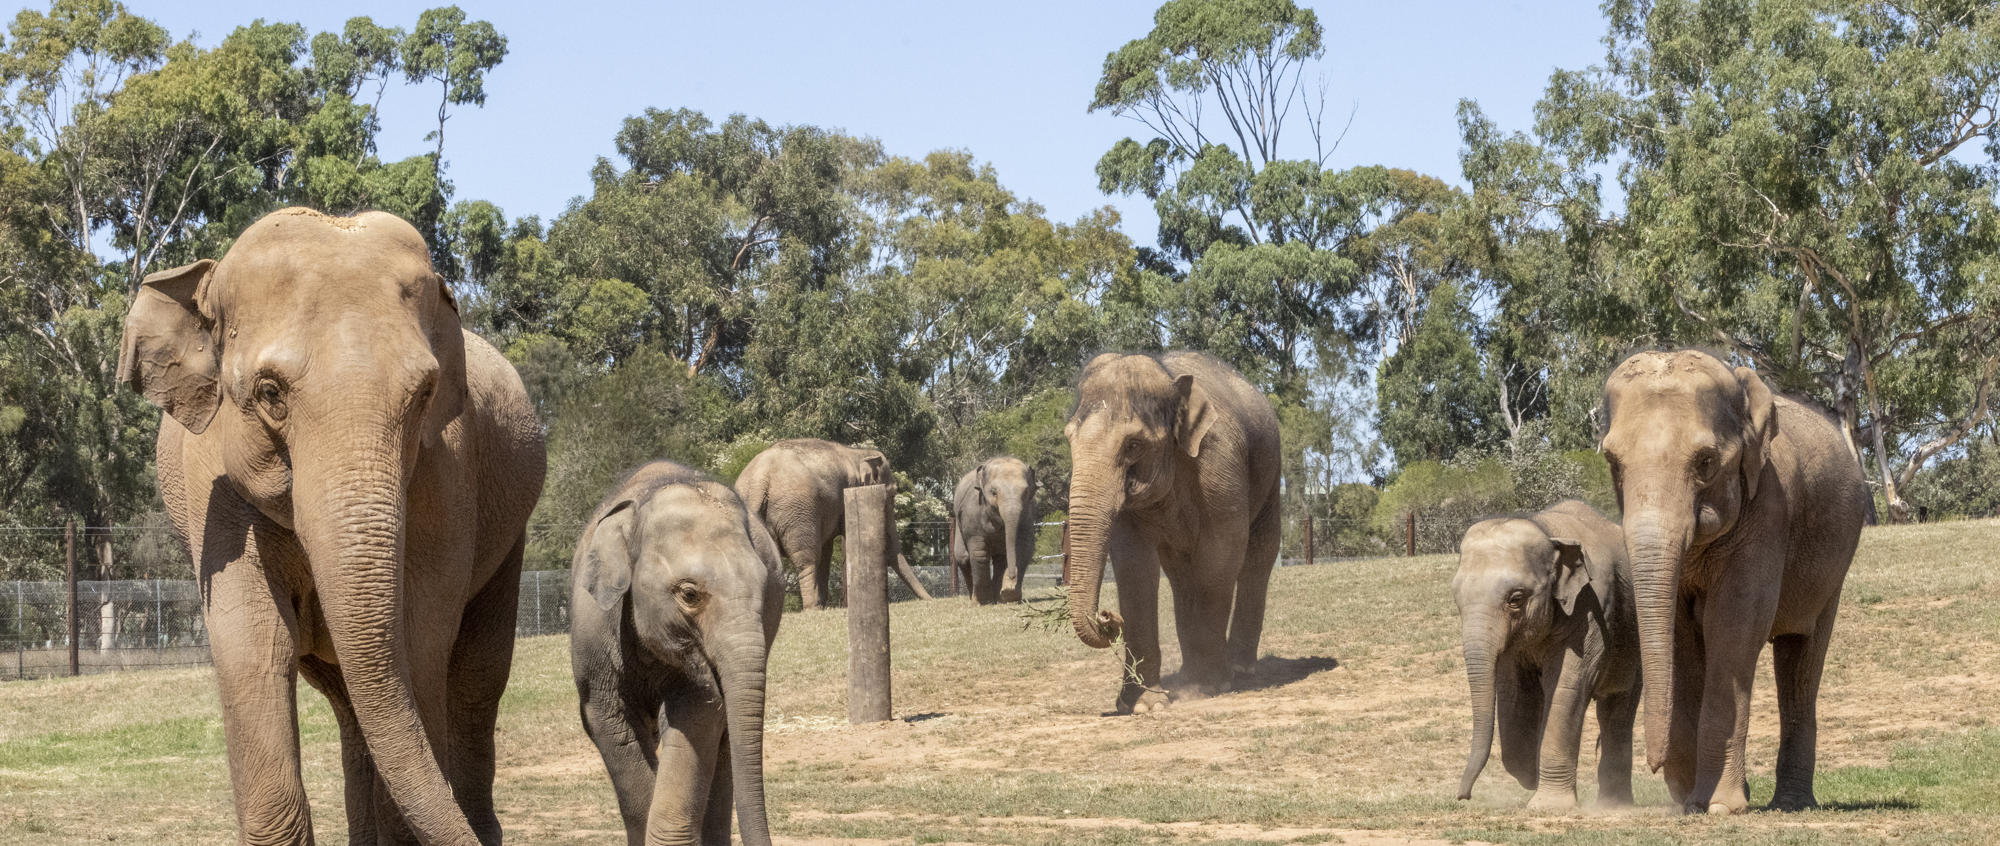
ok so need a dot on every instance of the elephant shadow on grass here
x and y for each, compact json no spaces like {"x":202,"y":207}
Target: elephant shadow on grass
{"x":1272,"y":672}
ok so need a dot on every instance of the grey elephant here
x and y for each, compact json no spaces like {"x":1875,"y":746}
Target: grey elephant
{"x":352,"y":474}
{"x":1546,"y":604}
{"x":1742,"y":513}
{"x":797,"y":487}
{"x":676,"y":593}
{"x":1174,"y":470}
{"x":993,"y":528}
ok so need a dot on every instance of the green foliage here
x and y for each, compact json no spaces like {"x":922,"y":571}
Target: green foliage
{"x":1436,"y":398}
{"x":1811,"y":185}
{"x":1522,"y":476}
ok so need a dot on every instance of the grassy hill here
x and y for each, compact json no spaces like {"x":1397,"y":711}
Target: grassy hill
{"x":1353,"y":732}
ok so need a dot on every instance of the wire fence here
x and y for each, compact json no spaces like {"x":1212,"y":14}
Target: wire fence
{"x":145,"y":621}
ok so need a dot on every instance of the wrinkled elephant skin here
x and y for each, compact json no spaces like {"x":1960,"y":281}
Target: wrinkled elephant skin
{"x":797,"y":487}
{"x":352,"y":474}
{"x":1545,"y":602}
{"x":1174,"y":470}
{"x":1742,"y":510}
{"x":993,"y":528}
{"x":675,"y":599}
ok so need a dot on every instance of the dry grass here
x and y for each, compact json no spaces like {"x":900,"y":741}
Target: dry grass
{"x":1354,"y":732}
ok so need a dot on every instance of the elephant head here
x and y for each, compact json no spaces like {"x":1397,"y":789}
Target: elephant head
{"x":1514,"y":582}
{"x":1007,"y":485}
{"x":1688,"y":444}
{"x":322,"y":354}
{"x":1135,"y":429}
{"x":706,"y":596}
{"x":867,"y":466}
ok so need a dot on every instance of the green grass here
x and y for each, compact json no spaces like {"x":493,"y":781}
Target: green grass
{"x":1354,"y":732}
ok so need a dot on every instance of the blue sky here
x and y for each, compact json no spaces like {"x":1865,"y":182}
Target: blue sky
{"x":1008,"y":81}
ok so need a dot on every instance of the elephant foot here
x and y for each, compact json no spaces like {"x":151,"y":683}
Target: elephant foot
{"x":1608,"y":798}
{"x":1551,"y":799}
{"x":1010,"y":594}
{"x":1792,"y":802}
{"x":1139,"y":700}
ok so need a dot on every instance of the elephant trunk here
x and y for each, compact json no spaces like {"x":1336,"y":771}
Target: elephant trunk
{"x":1656,"y":544}
{"x":741,"y":671}
{"x":1020,"y":550}
{"x":349,"y":512}
{"x":1479,"y":651}
{"x":1093,"y":504}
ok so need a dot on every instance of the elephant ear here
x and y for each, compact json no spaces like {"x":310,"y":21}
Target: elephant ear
{"x":168,"y":351}
{"x":1195,"y":418}
{"x":448,"y":345}
{"x":1760,"y":427}
{"x":979,"y":483}
{"x":1574,"y":570}
{"x":607,"y":565}
{"x":874,"y":469}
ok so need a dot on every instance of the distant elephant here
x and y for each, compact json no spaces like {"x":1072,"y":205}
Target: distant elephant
{"x":675,"y":598}
{"x":993,"y":528}
{"x":1742,"y":512}
{"x":797,"y":487}
{"x":1546,"y":604}
{"x":1174,"y":469}
{"x":352,"y":474}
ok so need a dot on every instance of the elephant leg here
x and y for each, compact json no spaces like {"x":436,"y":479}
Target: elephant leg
{"x":1736,"y":621}
{"x":1520,"y":712}
{"x":480,"y":661}
{"x":1799,"y":661}
{"x":1204,"y":594}
{"x":822,"y":574}
{"x":1246,"y":622}
{"x":625,"y":735}
{"x":807,"y":559}
{"x":357,"y":771}
{"x":981,"y":562}
{"x":1566,"y":688}
{"x":1690,"y":674}
{"x":689,"y":742}
{"x":1615,"y":714}
{"x":1135,"y":564}
{"x":253,"y":641}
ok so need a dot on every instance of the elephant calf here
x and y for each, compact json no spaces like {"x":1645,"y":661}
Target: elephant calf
{"x":675,"y":600}
{"x":1546,"y":602}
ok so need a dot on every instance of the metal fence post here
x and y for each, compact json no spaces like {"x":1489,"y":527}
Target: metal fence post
{"x":1309,"y":539}
{"x":538,"y":602}
{"x":1410,"y":534}
{"x":69,"y":557}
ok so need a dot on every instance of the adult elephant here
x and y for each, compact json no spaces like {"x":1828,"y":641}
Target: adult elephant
{"x":676,"y":595}
{"x":797,"y":487}
{"x":352,"y":474}
{"x":1742,"y":511}
{"x":1174,"y":469}
{"x":993,"y":528}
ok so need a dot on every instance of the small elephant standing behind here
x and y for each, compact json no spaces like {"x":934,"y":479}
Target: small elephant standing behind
{"x":993,"y":528}
{"x":797,"y":488}
{"x":1546,"y":602}
{"x":676,"y":598}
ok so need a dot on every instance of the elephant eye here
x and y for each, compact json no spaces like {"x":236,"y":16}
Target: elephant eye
{"x":271,"y":400}
{"x":688,"y":594}
{"x":1516,"y":599}
{"x":1704,"y":466}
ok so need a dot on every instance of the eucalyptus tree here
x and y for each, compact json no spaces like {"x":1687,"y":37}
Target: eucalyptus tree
{"x":1810,"y":185}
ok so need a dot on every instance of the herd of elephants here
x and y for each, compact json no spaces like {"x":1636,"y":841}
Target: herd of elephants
{"x":353,"y":473}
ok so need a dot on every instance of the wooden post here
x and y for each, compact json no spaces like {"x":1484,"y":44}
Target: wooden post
{"x":1309,"y":539}
{"x":870,"y":543}
{"x":1410,"y":533}
{"x":69,"y":557}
